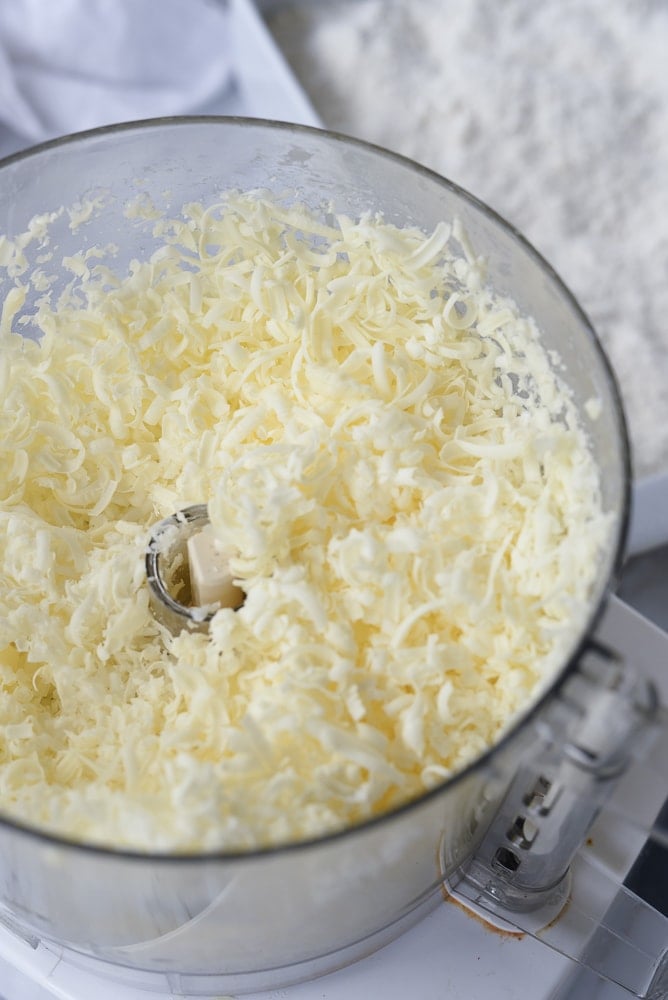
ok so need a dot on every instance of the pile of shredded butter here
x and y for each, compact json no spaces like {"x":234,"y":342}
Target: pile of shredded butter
{"x":382,"y":441}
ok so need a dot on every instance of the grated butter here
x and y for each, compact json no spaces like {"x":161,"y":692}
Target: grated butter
{"x":411,"y":501}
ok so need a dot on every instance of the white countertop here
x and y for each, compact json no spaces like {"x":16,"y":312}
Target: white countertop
{"x":555,"y":114}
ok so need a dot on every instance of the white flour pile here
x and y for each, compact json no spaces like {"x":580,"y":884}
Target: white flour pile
{"x":556,"y":114}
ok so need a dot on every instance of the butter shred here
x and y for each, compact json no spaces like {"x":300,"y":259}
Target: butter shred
{"x":412,"y":506}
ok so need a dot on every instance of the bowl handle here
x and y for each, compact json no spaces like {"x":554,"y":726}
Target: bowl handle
{"x":554,"y":861}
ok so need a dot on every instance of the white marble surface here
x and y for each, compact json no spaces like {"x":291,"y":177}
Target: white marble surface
{"x":556,"y":114}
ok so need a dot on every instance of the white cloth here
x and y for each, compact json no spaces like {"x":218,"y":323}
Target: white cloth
{"x":68,"y":65}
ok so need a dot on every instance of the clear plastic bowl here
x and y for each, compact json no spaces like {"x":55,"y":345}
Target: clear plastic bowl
{"x":226,"y":922}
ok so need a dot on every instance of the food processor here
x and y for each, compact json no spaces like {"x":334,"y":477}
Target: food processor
{"x":500,"y":836}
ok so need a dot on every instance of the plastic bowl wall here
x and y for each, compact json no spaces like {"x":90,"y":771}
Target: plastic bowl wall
{"x":259,"y":920}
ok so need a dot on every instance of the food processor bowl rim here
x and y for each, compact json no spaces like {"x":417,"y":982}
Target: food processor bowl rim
{"x":598,"y":607}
